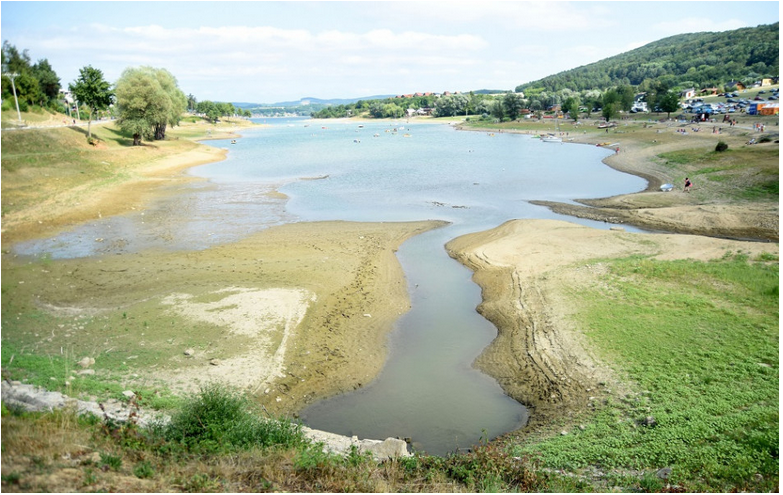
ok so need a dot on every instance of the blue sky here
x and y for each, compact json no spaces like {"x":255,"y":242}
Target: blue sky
{"x":267,"y":52}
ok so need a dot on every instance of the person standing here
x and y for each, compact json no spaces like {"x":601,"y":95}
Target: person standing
{"x":688,"y":185}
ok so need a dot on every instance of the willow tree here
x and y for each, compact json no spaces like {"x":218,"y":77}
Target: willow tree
{"x":148,"y":100}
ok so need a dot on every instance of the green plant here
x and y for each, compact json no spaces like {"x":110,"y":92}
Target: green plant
{"x":143,"y":470}
{"x":112,"y":461}
{"x":89,"y":477}
{"x":220,"y":418}
{"x":12,"y":478}
{"x":700,"y":342}
{"x":721,"y":146}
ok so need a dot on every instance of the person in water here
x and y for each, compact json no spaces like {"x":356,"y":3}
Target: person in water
{"x":688,"y":185}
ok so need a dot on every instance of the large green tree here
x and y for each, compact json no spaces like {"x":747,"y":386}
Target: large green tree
{"x":512,"y":104}
{"x":148,"y":101}
{"x":48,"y":81}
{"x":668,"y":102}
{"x":92,"y":91}
{"x":28,"y":91}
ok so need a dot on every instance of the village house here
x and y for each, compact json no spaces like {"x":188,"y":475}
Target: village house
{"x":688,"y":93}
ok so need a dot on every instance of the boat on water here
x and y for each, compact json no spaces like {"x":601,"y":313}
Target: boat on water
{"x":233,"y":141}
{"x":551,"y":139}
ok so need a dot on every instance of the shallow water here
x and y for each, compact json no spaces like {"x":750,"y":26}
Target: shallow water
{"x":428,"y":389}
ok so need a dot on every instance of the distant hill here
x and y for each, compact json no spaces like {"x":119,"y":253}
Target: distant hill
{"x":696,"y":59}
{"x":309,"y":101}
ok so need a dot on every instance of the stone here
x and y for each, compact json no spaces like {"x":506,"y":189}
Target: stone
{"x":129,"y":394}
{"x":214,"y":362}
{"x":664,"y":473}
{"x":86,"y":362}
{"x":189,"y":352}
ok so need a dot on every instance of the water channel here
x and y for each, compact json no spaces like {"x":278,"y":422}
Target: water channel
{"x":428,"y":390}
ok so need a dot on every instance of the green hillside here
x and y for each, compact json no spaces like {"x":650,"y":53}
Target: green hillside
{"x":694,"y":59}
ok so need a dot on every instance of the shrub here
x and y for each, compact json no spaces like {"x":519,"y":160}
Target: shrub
{"x":144,"y":470}
{"x":721,"y":146}
{"x":220,"y":419}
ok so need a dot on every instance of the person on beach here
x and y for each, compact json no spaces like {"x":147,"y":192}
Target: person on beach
{"x":688,"y":185}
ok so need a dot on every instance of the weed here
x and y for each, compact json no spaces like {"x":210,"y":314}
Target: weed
{"x":114,"y":462}
{"x":89,"y":477}
{"x":143,"y":470}
{"x":219,"y":418}
{"x":12,"y":478}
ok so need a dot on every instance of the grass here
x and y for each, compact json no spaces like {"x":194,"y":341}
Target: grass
{"x":747,"y":173}
{"x":700,"y":342}
{"x":697,"y":341}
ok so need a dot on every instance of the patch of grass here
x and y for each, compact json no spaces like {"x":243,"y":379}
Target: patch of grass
{"x":219,"y":419}
{"x":746,"y":173}
{"x":59,"y":373}
{"x":111,"y":461}
{"x":144,"y":470}
{"x":700,"y":341}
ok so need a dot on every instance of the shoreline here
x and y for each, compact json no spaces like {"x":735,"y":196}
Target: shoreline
{"x":353,"y":272}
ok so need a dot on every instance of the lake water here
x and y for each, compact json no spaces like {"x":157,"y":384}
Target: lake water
{"x":428,"y":390}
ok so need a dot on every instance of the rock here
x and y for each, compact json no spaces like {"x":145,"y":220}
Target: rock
{"x":664,"y":473}
{"x":129,"y":394}
{"x":649,"y":421}
{"x":338,"y":444}
{"x":30,"y":398}
{"x":391,"y":448}
{"x":86,"y":362}
{"x":214,"y":362}
{"x":189,"y":352}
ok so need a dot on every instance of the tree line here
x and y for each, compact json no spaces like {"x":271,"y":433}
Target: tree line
{"x":145,"y":100}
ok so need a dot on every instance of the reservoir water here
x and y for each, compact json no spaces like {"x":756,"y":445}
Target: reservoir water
{"x":428,"y":390}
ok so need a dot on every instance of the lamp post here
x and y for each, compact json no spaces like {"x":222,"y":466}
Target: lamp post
{"x":11,"y":76}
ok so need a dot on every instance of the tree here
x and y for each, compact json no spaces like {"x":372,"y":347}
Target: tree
{"x":669,"y":102}
{"x":609,"y":110}
{"x":48,"y":81}
{"x":512,"y":104}
{"x":496,"y":110}
{"x":191,"y":102}
{"x":26,"y":85}
{"x":148,"y":100}
{"x":92,"y":91}
{"x":571,"y":106}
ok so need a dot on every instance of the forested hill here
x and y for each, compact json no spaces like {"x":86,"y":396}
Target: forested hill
{"x":695,"y":59}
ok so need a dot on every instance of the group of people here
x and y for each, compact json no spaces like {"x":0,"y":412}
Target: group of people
{"x":759,"y":127}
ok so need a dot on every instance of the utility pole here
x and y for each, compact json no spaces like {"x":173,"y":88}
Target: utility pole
{"x":11,"y":76}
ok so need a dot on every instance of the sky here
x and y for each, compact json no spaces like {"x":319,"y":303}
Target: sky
{"x":268,"y":51}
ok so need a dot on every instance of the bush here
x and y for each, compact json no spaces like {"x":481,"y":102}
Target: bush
{"x":220,"y":419}
{"x":721,"y":146}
